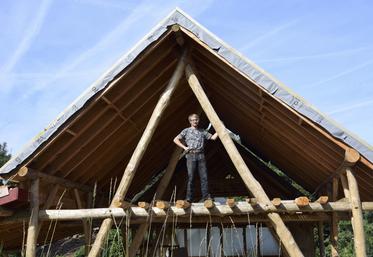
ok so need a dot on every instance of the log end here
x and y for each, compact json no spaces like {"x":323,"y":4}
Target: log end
{"x":276,"y":201}
{"x":302,"y":201}
{"x":144,"y":205}
{"x":182,"y":204}
{"x":351,"y":157}
{"x":323,"y":199}
{"x":209,"y":203}
{"x":23,"y":172}
{"x":162,"y":205}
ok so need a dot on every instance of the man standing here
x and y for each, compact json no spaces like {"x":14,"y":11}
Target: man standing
{"x":193,"y":142}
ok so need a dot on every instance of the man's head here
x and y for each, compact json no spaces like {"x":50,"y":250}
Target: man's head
{"x":193,"y":120}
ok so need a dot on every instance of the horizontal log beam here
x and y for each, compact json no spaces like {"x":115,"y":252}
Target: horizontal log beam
{"x":198,"y":210}
{"x":26,"y":173}
{"x":241,"y":208}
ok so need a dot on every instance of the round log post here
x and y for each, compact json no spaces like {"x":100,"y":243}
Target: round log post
{"x":32,"y":231}
{"x":357,"y":214}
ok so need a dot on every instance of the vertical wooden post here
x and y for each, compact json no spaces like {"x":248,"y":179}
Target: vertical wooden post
{"x":159,"y":194}
{"x":138,"y":154}
{"x":86,"y":227}
{"x":357,"y":214}
{"x":334,"y":222}
{"x":346,"y":191}
{"x":320,"y":230}
{"x":32,"y":230}
{"x":48,"y":203}
{"x":251,"y":183}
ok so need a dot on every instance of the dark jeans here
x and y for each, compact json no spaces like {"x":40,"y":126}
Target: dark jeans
{"x":194,"y":161}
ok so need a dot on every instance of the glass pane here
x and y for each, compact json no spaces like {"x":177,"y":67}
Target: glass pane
{"x":268,"y":244}
{"x":197,"y":242}
{"x":251,"y":240}
{"x":215,"y":246}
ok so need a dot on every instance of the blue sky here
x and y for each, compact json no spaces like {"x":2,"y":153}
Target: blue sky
{"x":51,"y":50}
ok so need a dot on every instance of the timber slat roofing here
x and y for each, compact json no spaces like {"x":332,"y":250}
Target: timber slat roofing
{"x":93,"y":139}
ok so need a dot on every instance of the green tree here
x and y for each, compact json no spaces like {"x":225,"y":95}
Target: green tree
{"x":4,"y":155}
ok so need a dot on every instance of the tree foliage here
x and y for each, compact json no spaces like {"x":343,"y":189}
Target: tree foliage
{"x":4,"y":155}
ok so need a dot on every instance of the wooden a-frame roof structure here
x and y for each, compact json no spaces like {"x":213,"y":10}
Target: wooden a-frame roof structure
{"x":94,"y":139}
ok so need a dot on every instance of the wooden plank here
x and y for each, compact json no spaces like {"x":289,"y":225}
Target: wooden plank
{"x":32,"y":231}
{"x":251,"y":183}
{"x":138,"y":153}
{"x":357,"y":214}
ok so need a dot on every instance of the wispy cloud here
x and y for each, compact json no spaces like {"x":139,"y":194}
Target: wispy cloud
{"x":351,"y":107}
{"x":341,"y":74}
{"x":316,"y":56}
{"x":146,"y":8}
{"x":31,"y":32}
{"x":143,"y":9}
{"x":268,"y":34}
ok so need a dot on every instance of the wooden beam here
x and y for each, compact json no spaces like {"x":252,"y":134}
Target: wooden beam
{"x":26,"y":173}
{"x":351,"y":157}
{"x":346,"y":190}
{"x":320,"y":230}
{"x":246,"y":175}
{"x":357,"y":214}
{"x":141,"y":214}
{"x":165,"y":181}
{"x":138,"y":153}
{"x":197,"y":209}
{"x":178,"y":34}
{"x":32,"y":231}
{"x":86,"y":225}
{"x":334,"y":222}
